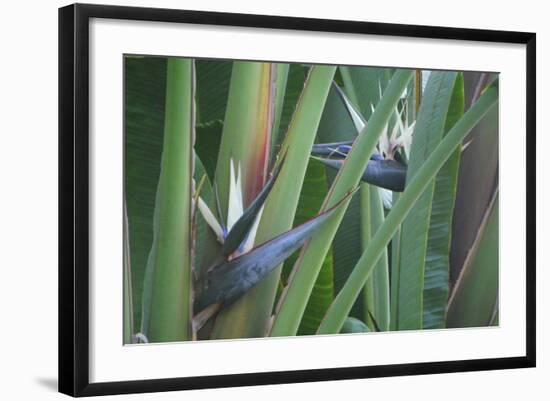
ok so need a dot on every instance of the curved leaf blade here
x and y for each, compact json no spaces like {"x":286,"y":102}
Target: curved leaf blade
{"x":341,"y":306}
{"x":436,"y":274}
{"x":294,"y":299}
{"x":429,"y":130}
{"x":475,"y":297}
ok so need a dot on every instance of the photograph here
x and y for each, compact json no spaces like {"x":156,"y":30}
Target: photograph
{"x":269,"y":199}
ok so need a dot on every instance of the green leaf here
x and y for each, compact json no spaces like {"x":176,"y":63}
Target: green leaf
{"x":171,"y":260}
{"x":313,"y":192}
{"x":144,"y":98}
{"x":247,"y":129}
{"x":295,"y":80}
{"x":213,"y":78}
{"x":368,"y":300}
{"x":258,"y":302}
{"x":336,"y":126}
{"x":127,"y":279}
{"x":436,"y":276}
{"x":428,"y":132}
{"x":365,"y":85}
{"x":282,"y":96}
{"x":231,"y":279}
{"x":353,"y":325}
{"x":477,"y":178}
{"x":474,"y":302}
{"x":207,"y":249}
{"x":341,"y":306}
{"x":395,"y":246}
{"x":380,"y":287}
{"x":207,"y":145}
{"x":294,"y":299}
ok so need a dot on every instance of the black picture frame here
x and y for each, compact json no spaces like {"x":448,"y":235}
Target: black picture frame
{"x":74,"y":194}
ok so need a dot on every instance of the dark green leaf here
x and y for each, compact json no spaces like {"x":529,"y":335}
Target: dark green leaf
{"x":429,"y":130}
{"x":364,"y":86}
{"x":436,"y":275}
{"x":144,"y":98}
{"x":295,"y":83}
{"x":207,"y":145}
{"x":213,"y":78}
{"x":337,"y":127}
{"x":312,"y":195}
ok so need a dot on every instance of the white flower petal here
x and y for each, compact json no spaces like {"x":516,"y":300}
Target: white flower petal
{"x":211,"y":220}
{"x":248,"y":244}
{"x":386,"y":195}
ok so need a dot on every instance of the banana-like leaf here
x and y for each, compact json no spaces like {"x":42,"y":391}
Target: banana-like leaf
{"x":207,"y":145}
{"x":281,"y":95}
{"x":341,"y":306}
{"x":127,"y":277}
{"x":170,"y":259}
{"x":296,"y":76}
{"x":145,"y":91}
{"x":477,"y":179}
{"x":353,"y":325}
{"x":429,"y":130}
{"x":246,"y":137}
{"x":474,"y":301}
{"x":212,"y":88}
{"x":258,"y":302}
{"x":241,"y":228}
{"x":436,"y":271}
{"x":228,"y":281}
{"x":294,"y":300}
{"x":388,"y":174}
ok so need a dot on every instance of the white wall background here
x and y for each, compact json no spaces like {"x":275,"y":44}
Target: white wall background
{"x":28,"y":199}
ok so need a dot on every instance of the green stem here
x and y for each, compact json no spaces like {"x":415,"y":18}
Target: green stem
{"x":170,"y":297}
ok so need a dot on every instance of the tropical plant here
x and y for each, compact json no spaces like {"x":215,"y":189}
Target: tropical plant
{"x":269,"y":199}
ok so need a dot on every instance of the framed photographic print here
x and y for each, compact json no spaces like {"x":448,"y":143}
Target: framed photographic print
{"x":250,"y":199}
